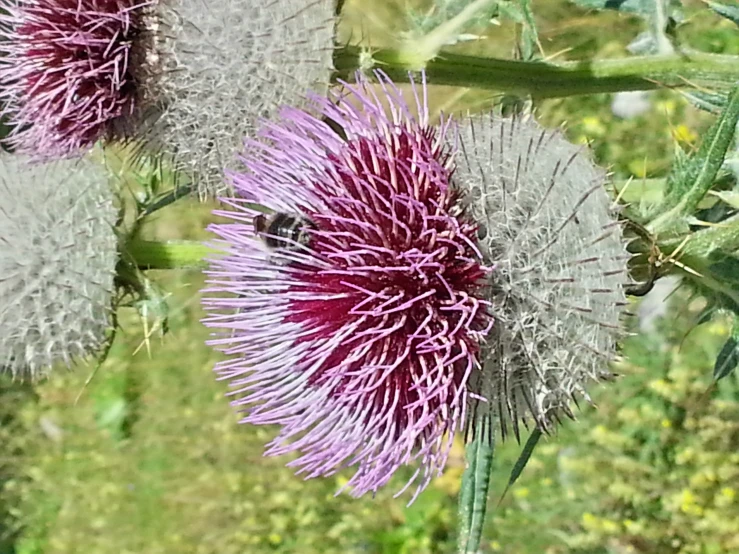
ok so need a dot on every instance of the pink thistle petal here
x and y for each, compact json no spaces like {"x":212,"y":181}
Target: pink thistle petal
{"x":362,"y":344}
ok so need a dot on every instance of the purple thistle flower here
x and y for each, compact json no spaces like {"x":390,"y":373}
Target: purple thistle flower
{"x":359,"y":332}
{"x":183,"y":77}
{"x":67,"y":75}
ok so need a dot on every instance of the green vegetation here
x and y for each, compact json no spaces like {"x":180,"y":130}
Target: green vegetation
{"x":150,"y":459}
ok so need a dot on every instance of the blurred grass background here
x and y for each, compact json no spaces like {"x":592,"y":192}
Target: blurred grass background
{"x":150,"y":459}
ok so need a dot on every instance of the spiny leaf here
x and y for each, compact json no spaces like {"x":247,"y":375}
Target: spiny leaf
{"x":423,"y":21}
{"x":729,"y":197}
{"x":728,"y":358}
{"x":689,"y":182}
{"x":712,"y":102}
{"x":729,"y":12}
{"x":641,"y":7}
{"x":473,"y":494}
{"x":523,"y":459}
{"x":725,"y":267}
{"x":706,"y":315}
{"x":661,"y":15}
{"x":529,"y":36}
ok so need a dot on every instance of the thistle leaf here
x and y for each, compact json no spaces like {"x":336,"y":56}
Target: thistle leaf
{"x":706,"y":315}
{"x":520,"y":12}
{"x":689,"y":182}
{"x":473,"y":494}
{"x":729,"y":197}
{"x":661,"y":15}
{"x":629,"y":6}
{"x":726,"y":269}
{"x":729,"y":12}
{"x":712,"y":102}
{"x":529,"y":36}
{"x":523,"y":459}
{"x":727,"y":359}
{"x":641,"y":7}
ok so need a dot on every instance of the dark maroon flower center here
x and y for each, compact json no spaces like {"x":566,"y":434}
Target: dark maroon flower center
{"x":404,"y":276}
{"x":78,"y":56}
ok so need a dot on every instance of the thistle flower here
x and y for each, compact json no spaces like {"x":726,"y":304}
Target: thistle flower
{"x":57,"y":262}
{"x":548,"y":226}
{"x":67,"y":75}
{"x":360,"y":338}
{"x":181,"y":76}
{"x":413,"y":271}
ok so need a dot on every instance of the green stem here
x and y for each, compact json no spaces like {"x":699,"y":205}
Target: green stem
{"x":171,"y":254}
{"x":473,"y":494}
{"x":549,"y":80}
{"x":171,"y":197}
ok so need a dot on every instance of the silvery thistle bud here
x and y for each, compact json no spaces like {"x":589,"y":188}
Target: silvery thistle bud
{"x":549,"y":229}
{"x":58,"y":251}
{"x":183,"y":76}
{"x":356,"y":313}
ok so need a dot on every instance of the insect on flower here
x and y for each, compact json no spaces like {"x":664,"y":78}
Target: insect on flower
{"x":284,"y":230}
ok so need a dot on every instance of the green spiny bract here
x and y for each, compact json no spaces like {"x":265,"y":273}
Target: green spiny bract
{"x":547,"y":227}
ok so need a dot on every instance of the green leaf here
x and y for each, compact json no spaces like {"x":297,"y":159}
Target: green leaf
{"x":473,"y":495}
{"x":662,"y":16}
{"x":725,"y":267}
{"x":423,"y":21}
{"x":727,"y":359}
{"x":689,"y":182}
{"x":730,"y":197}
{"x":523,"y":459}
{"x":712,"y":102}
{"x":157,"y":202}
{"x":706,"y":315}
{"x":729,"y":12}
{"x":643,"y":7}
{"x":529,"y":36}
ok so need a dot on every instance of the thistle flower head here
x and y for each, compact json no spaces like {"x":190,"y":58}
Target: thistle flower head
{"x":57,"y":263}
{"x":548,"y":226}
{"x":66,"y":72}
{"x":359,"y":337}
{"x":183,"y":77}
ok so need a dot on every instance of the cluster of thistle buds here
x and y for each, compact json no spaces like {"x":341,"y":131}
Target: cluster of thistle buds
{"x":384,"y":285}
{"x":162,"y":77}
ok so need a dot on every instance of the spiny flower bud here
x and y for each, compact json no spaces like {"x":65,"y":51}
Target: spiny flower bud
{"x":225,"y":66}
{"x":547,"y":226}
{"x":57,"y":263}
{"x":358,"y":315}
{"x":184,"y":77}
